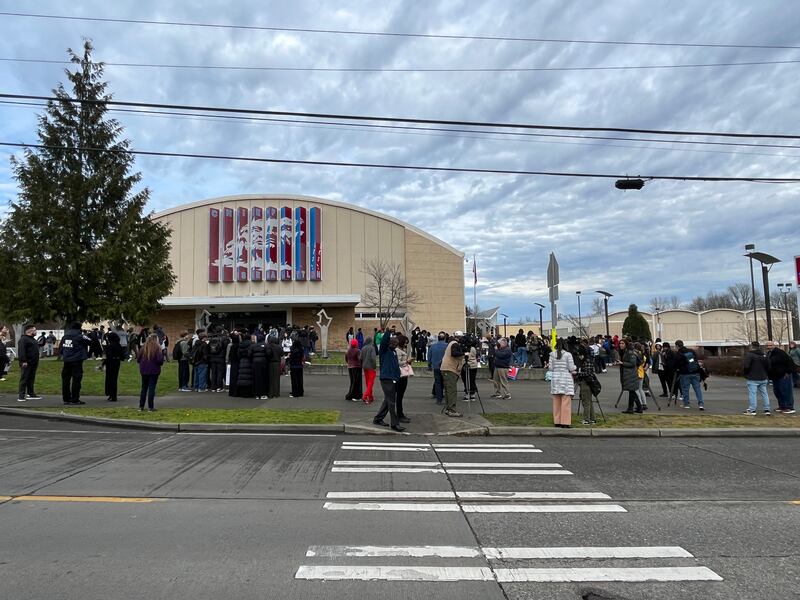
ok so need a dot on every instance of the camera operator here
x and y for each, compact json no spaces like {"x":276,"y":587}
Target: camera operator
{"x":469,"y":345}
{"x":452,"y":362}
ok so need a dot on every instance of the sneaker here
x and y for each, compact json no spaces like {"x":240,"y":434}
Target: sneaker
{"x":507,"y":397}
{"x":789,"y":411}
{"x":22,"y":399}
{"x":151,"y":410}
{"x":778,"y":410}
{"x":749,"y":412}
{"x":767,"y":413}
{"x":33,"y":397}
{"x":453,"y":413}
{"x":496,"y":396}
{"x":585,"y":422}
{"x":686,"y":406}
{"x":701,"y":408}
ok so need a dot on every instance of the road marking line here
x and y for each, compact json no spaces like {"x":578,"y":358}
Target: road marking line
{"x":607,"y":574}
{"x":5,"y":498}
{"x":385,"y":463}
{"x":256,"y":433}
{"x":533,"y":496}
{"x":396,"y":463}
{"x":433,"y":495}
{"x":383,"y":551}
{"x":491,"y":450}
{"x":587,"y":552}
{"x":103,"y":431}
{"x":390,"y":495}
{"x":483,"y":446}
{"x":541,"y":508}
{"x":641,"y":552}
{"x":508,"y":472}
{"x":386,"y":470}
{"x":795,"y":502}
{"x":395,"y":449}
{"x":472,"y":508}
{"x":365,"y":573}
{"x":401,"y":444}
{"x":411,"y":507}
{"x":112,"y":499}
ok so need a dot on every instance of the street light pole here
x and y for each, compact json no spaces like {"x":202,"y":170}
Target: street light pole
{"x":785,"y":288}
{"x":505,"y":325}
{"x":580,"y":324}
{"x":541,"y":320}
{"x":749,"y":248}
{"x":768,"y":310}
{"x":606,"y":296}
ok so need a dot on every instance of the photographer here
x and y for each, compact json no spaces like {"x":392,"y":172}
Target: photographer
{"x":452,"y":362}
{"x":469,"y":346}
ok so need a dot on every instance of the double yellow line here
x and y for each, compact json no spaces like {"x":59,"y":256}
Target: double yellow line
{"x":111,"y":499}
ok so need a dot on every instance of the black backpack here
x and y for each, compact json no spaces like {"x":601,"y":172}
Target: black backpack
{"x":176,"y":351}
{"x":215,"y":346}
{"x":693,"y":367}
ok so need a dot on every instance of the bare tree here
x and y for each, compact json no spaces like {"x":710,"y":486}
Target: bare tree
{"x":662,"y":303}
{"x":386,"y":291}
{"x":579,"y":325}
{"x":598,"y":307}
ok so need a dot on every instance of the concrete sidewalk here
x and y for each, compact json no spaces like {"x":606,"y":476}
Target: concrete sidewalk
{"x":725,"y":396}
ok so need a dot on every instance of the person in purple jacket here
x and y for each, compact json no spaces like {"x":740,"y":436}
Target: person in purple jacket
{"x":150,"y":359}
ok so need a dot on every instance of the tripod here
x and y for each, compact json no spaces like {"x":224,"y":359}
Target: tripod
{"x":649,"y":389}
{"x":673,"y":393}
{"x":596,"y":400}
{"x":468,"y":389}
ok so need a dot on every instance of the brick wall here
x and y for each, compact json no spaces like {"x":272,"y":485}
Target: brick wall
{"x":173,"y":322}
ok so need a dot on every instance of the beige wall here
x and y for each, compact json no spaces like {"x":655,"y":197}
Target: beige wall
{"x":349,"y":236}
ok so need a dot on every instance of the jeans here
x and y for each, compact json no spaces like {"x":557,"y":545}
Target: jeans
{"x":782,"y":388}
{"x":183,"y":374}
{"x":149,"y":383}
{"x":522,"y":356}
{"x":438,"y":386}
{"x":759,"y":388}
{"x":692,"y":380}
{"x":201,"y":377}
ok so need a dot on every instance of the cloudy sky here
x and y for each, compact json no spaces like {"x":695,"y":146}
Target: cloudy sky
{"x":671,"y":238}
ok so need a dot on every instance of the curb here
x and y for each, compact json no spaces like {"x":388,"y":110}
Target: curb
{"x":62,"y":416}
{"x":624,"y":432}
{"x":262,"y":427}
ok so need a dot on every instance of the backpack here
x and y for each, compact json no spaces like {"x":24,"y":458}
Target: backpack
{"x":176,"y":351}
{"x":693,"y":367}
{"x":215,"y":346}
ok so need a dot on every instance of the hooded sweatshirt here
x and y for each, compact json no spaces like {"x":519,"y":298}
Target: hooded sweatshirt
{"x":369,"y":358}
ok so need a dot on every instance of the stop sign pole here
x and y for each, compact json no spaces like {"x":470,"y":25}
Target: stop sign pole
{"x":552,"y":287}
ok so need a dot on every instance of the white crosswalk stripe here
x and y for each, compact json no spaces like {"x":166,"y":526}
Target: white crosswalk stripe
{"x":441,"y":469}
{"x":448,"y":448}
{"x":395,"y":463}
{"x":547,"y":553}
{"x":472,"y":508}
{"x":432,"y":495}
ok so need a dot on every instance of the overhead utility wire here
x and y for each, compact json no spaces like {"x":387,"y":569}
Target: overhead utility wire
{"x":410,"y":128}
{"x":394,"y":34}
{"x":327,"y":163}
{"x":396,"y":119}
{"x":410,"y":70}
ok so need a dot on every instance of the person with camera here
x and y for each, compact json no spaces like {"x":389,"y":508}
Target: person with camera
{"x":452,"y":362}
{"x":586,"y":380}
{"x":470,"y":368}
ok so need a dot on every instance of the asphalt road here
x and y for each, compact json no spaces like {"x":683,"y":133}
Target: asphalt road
{"x":125,"y":514}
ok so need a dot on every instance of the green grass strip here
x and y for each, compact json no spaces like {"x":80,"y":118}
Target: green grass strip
{"x":207,"y":415}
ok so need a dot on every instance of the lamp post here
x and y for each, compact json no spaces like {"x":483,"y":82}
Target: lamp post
{"x":749,"y":248}
{"x":580,"y":324}
{"x":505,"y":325}
{"x":785,"y":288}
{"x":541,"y":320}
{"x":766,"y":261}
{"x":606,"y":296}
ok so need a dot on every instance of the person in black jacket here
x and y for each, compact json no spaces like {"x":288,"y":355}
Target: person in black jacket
{"x":216,"y":359}
{"x":755,"y":367}
{"x":4,"y":361}
{"x":274,"y":354}
{"x":296,"y":360}
{"x":233,"y":360}
{"x":74,"y":350}
{"x":244,"y":384}
{"x":28,"y":362}
{"x":115,"y":354}
{"x":258,"y":356}
{"x":781,"y":367}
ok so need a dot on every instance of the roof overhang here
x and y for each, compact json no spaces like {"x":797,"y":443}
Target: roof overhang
{"x":258,"y":302}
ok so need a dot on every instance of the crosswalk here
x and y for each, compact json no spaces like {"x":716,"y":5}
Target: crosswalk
{"x":483,"y":564}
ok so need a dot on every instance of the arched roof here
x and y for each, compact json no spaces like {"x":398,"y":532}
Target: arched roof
{"x":312,"y":199}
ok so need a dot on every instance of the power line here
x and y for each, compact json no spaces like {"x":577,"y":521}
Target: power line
{"x":409,"y":70}
{"x":441,"y":130}
{"x":355,"y":32}
{"x":396,"y":119}
{"x":327,"y":163}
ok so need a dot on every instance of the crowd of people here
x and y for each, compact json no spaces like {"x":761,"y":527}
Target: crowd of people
{"x":249,"y":363}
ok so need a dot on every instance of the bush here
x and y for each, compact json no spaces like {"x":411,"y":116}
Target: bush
{"x":728,"y":366}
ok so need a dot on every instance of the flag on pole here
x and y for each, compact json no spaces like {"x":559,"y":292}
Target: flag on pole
{"x":474,"y":270}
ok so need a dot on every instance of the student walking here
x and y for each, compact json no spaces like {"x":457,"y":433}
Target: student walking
{"x":404,"y":360}
{"x":150,"y":359}
{"x":115,"y":354}
{"x":353,"y":359}
{"x":369,"y":364}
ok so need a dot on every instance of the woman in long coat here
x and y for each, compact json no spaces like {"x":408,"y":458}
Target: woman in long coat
{"x":274,"y":354}
{"x":296,"y":360}
{"x":114,"y":356}
{"x":562,"y":385}
{"x":258,"y":356}
{"x":629,"y":367}
{"x":244,"y":385}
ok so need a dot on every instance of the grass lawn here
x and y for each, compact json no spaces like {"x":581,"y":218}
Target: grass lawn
{"x":48,"y":379}
{"x":648,"y":420}
{"x":207,"y":415}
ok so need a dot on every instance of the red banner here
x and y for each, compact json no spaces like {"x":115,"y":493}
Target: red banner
{"x":271,"y":239}
{"x":213,"y":245}
{"x":227,"y":244}
{"x":315,"y":243}
{"x":242,"y":244}
{"x":257,"y":244}
{"x":300,"y":256}
{"x":286,"y":243}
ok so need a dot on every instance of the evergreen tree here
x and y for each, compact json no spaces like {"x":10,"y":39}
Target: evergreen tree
{"x":78,"y":245}
{"x":636,"y":325}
